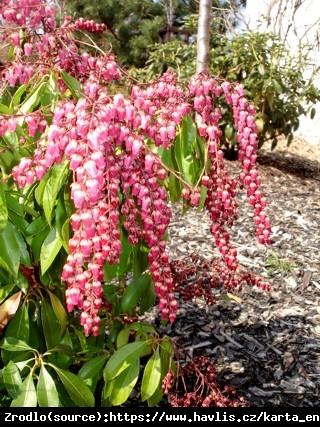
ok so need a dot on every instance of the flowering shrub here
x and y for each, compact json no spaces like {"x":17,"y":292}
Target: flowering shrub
{"x":90,"y":165}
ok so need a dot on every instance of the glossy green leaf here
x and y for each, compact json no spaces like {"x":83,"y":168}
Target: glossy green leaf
{"x":63,"y":352}
{"x":14,"y":344}
{"x":123,"y":337}
{"x":10,"y":253}
{"x":18,"y":95}
{"x":92,"y":367}
{"x":125,"y":383}
{"x":151,"y":376}
{"x":148,"y":298}
{"x":50,"y":249}
{"x":125,"y":256}
{"x":61,"y":214}
{"x":36,"y":243}
{"x":73,"y":84}
{"x":47,"y":393}
{"x":3,"y":208}
{"x":23,"y":250}
{"x":11,"y":139}
{"x":140,"y":260}
{"x":59,"y":311}
{"x":123,"y":358}
{"x":33,"y":98}
{"x":4,"y":109}
{"x":50,"y":325}
{"x":65,"y":235}
{"x":5,"y":291}
{"x":175,"y":185}
{"x":144,"y":330}
{"x":110,"y":271}
{"x":36,"y":226}
{"x":156,"y":397}
{"x":184,"y":147}
{"x":133,"y":293}
{"x":106,"y":393}
{"x":28,"y":394}
{"x":39,"y":191}
{"x":12,"y":379}
{"x":17,"y":335}
{"x":16,"y":213}
{"x":78,"y":391}
{"x":57,"y":178}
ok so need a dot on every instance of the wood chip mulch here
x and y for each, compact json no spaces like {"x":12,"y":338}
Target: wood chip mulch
{"x":265,"y":344}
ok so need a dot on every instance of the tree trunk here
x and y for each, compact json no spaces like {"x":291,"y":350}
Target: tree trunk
{"x":203,"y":36}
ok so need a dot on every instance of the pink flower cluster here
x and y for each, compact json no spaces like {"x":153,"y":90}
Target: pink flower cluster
{"x":221,"y":189}
{"x":28,"y":13}
{"x":117,"y":177}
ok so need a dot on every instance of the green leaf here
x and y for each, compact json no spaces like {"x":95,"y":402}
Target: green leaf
{"x":73,"y":84}
{"x":12,"y":379}
{"x":16,"y":213}
{"x":56,"y":180}
{"x":23,"y":250}
{"x":175,"y":188}
{"x":78,"y":391}
{"x":156,"y":397}
{"x":10,"y":253}
{"x":123,"y":357}
{"x":6,"y":110}
{"x":92,"y":367}
{"x":33,"y":98}
{"x":28,"y":394}
{"x":5,"y":291}
{"x":184,"y":147}
{"x":50,"y":325}
{"x":124,"y":384}
{"x":17,"y":96}
{"x":3,"y":208}
{"x":13,"y":344}
{"x":61,"y":214}
{"x":125,"y":257}
{"x":11,"y":140}
{"x":59,"y":311}
{"x":47,"y":393}
{"x":134,"y":291}
{"x":36,"y":243}
{"x":148,"y":298}
{"x":123,"y":337}
{"x":17,"y":335}
{"x":50,"y":249}
{"x":36,"y":226}
{"x":151,"y":376}
{"x":62,"y":353}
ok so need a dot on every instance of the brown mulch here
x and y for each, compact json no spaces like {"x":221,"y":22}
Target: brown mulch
{"x":265,"y":344}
